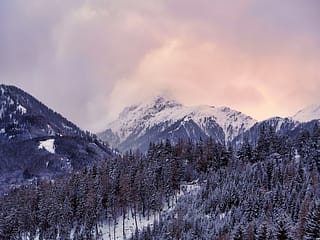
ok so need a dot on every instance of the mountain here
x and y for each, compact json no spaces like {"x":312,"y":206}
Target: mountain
{"x":162,"y":118}
{"x":23,"y":117}
{"x":282,"y":126}
{"x":304,"y":119}
{"x":307,"y":114}
{"x":36,"y":142}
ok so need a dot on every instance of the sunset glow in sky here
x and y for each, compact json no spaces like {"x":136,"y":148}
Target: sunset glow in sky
{"x":89,"y":59}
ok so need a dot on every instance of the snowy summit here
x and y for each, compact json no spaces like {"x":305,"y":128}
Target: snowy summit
{"x":163,"y":117}
{"x":307,"y":114}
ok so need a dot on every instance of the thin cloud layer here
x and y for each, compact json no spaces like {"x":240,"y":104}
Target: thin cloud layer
{"x":89,"y":59}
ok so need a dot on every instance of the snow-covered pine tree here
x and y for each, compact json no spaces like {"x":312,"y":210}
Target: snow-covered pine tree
{"x":238,"y":233}
{"x":312,"y":225}
{"x":282,"y":229}
{"x":263,"y":232}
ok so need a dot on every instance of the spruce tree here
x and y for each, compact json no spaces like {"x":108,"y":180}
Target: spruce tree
{"x":282,"y":229}
{"x":312,"y":225}
{"x":263,"y":232}
{"x":238,"y":233}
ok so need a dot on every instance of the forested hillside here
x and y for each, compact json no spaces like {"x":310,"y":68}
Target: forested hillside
{"x":267,"y":191}
{"x":135,"y":184}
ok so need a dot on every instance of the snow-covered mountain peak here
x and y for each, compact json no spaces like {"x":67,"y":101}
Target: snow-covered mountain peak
{"x":309,"y":113}
{"x":169,"y":116}
{"x":163,"y":100}
{"x":160,"y":103}
{"x":152,"y":106}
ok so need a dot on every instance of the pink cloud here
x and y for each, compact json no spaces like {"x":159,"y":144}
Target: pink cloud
{"x":260,"y":57}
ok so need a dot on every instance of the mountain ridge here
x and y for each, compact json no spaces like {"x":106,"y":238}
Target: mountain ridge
{"x":309,"y":113}
{"x":162,"y":114}
{"x":39,"y":143}
{"x":16,"y":103}
{"x":153,"y":120}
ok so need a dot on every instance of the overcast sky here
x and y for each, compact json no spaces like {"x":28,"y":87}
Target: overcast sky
{"x":89,"y":59}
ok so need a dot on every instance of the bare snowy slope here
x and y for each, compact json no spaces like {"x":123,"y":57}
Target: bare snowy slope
{"x":307,"y":114}
{"x":162,"y":118}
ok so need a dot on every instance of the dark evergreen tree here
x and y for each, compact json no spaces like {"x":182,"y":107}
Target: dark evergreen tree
{"x":245,"y":152}
{"x":312,"y":225}
{"x":282,"y":229}
{"x":238,"y":233}
{"x":263,"y":232}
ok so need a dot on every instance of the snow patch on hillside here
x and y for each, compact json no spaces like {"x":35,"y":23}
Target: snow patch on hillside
{"x":115,"y":231}
{"x":22,"y":109}
{"x":1,"y":111}
{"x":47,"y":145}
{"x":109,"y":230}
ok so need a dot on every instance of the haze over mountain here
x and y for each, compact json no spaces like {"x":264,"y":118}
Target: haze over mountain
{"x":249,"y":55}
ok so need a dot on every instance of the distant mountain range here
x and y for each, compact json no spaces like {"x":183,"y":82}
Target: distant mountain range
{"x":162,"y":118}
{"x":36,"y":142}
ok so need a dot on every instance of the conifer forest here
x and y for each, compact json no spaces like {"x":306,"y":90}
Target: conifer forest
{"x":270,"y":190}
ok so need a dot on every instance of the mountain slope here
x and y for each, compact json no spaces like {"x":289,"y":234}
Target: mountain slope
{"x":307,"y":114}
{"x":36,"y":142}
{"x":282,"y":126}
{"x":24,"y":117}
{"x":304,"y":119}
{"x":162,"y":118}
